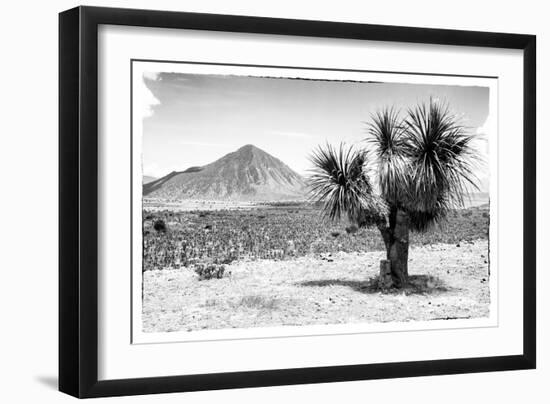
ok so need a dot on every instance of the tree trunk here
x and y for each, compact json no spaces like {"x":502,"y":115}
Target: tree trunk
{"x":385,"y":280}
{"x":396,"y":239}
{"x":398,"y":252}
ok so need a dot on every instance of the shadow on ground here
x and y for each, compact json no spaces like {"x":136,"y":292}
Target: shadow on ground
{"x":418,"y":284}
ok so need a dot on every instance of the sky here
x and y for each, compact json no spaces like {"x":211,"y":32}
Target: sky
{"x":193,"y":119}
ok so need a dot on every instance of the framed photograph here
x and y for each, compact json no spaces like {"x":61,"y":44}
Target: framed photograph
{"x":251,"y":201}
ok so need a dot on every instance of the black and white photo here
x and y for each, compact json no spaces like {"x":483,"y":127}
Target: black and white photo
{"x":303,"y":200}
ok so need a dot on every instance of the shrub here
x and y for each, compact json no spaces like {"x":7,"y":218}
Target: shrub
{"x":159,"y":226}
{"x":237,"y":235}
{"x":209,"y":271}
{"x":257,"y":302}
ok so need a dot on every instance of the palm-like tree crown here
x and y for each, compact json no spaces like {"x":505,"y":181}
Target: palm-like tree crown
{"x":441,"y":160}
{"x":425,"y":165}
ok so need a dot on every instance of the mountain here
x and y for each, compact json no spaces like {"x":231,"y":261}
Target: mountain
{"x":147,"y":179}
{"x":476,"y":199}
{"x":248,"y":174}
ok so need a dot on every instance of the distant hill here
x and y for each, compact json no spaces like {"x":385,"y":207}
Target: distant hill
{"x":147,"y":179}
{"x":247,"y":174}
{"x":476,"y":199}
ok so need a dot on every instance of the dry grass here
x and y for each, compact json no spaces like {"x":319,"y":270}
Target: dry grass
{"x":447,"y":281}
{"x":257,"y":302}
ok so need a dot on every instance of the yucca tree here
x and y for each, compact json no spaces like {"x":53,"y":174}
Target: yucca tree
{"x":423,"y":165}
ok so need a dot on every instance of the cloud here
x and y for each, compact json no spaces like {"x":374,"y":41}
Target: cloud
{"x":486,"y":132}
{"x":146,"y":98}
{"x":295,"y":135}
{"x":153,"y":76}
{"x":204,"y":144}
{"x":488,"y":128}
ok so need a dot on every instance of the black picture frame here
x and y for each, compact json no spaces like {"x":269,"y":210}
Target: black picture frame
{"x":78,"y":201}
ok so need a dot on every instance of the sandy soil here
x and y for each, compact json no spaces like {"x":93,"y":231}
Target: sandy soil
{"x":447,"y":281}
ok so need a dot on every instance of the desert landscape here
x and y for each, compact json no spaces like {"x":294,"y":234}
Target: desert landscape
{"x":286,"y":201}
{"x":447,"y":281}
{"x":238,"y":264}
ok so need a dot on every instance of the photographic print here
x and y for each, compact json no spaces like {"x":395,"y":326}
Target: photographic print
{"x":309,"y":200}
{"x":252,"y":202}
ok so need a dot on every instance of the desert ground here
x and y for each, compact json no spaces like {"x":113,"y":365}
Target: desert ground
{"x":447,"y":281}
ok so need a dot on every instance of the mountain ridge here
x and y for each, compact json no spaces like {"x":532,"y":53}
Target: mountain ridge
{"x":247,"y":174}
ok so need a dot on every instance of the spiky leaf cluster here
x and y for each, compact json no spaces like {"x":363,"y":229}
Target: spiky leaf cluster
{"x":388,"y":145}
{"x":441,"y":163}
{"x":425,"y":166}
{"x":339,"y":180}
